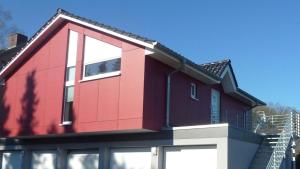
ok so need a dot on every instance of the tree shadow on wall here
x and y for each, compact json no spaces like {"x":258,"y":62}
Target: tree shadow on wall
{"x":4,"y":112}
{"x":52,"y":129}
{"x":27,"y":121}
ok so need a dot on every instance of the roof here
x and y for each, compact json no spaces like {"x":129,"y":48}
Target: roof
{"x":217,"y":68}
{"x":211,"y":71}
{"x":7,"y":54}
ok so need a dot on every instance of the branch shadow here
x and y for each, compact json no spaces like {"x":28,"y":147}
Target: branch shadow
{"x":52,"y":129}
{"x":29,"y":101}
{"x":4,"y":112}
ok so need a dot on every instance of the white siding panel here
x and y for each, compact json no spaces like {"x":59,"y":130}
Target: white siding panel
{"x":190,"y":157}
{"x":72,"y":48}
{"x":130,"y":158}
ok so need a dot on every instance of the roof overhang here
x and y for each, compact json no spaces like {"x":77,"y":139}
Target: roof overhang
{"x":182,"y":64}
{"x":230,"y":87}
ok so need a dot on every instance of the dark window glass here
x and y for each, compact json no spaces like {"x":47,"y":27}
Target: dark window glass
{"x":102,"y":67}
{"x":68,"y":107}
{"x":68,"y":111}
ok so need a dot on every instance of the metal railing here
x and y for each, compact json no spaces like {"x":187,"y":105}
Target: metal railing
{"x":280,"y":150}
{"x":272,"y":124}
{"x":296,"y":124}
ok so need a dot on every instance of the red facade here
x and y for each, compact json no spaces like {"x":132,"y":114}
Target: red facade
{"x":135,"y":100}
{"x":184,"y":109}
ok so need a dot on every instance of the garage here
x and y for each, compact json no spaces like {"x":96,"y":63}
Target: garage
{"x":43,"y":160}
{"x":191,"y":157}
{"x":130,"y":158}
{"x":83,"y":159}
{"x":12,"y":160}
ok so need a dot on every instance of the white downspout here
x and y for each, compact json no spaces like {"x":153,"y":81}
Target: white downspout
{"x":169,"y":93}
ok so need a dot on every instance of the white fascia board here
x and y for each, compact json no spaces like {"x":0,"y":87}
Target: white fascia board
{"x":149,"y":45}
{"x":231,"y":78}
{"x":230,"y":73}
{"x":203,"y":74}
{"x":149,"y":51}
{"x":29,"y":45}
{"x":177,"y":60}
{"x":198,"y":126}
{"x":246,"y":97}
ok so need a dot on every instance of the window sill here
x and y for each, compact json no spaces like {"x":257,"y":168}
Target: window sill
{"x":194,"y":98}
{"x":66,"y":123}
{"x":101,"y":76}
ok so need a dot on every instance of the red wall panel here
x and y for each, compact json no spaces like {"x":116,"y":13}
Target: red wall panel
{"x":108,"y":101}
{"x":88,"y":102}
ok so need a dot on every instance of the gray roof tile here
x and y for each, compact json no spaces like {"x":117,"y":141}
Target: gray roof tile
{"x":216,"y":68}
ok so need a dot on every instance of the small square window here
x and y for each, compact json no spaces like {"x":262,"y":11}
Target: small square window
{"x":194,"y":91}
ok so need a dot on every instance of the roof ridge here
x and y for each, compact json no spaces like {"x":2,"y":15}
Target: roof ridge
{"x":115,"y":29}
{"x":216,"y":62}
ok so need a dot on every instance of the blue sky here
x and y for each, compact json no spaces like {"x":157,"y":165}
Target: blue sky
{"x":261,"y":37}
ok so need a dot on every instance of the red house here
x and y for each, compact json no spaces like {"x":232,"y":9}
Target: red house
{"x":82,"y":94}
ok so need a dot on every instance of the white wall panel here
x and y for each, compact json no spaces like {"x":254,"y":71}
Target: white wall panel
{"x":130,"y":158}
{"x":190,"y":157}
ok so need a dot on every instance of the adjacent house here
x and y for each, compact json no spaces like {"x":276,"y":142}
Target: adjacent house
{"x":81,"y":94}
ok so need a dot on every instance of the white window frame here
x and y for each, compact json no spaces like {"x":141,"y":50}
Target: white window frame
{"x":193,"y":91}
{"x":71,"y":62}
{"x":99,"y":60}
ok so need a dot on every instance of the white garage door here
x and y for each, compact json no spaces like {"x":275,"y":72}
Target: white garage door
{"x":130,"y":158}
{"x":11,"y":160}
{"x":43,"y":160}
{"x":83,"y":160}
{"x":193,"y":157}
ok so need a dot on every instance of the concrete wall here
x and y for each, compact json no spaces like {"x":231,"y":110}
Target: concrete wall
{"x":240,"y":153}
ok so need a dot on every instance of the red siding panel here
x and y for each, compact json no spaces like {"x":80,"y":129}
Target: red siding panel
{"x":108,"y":102}
{"x":88,"y":102}
{"x":132,"y":84}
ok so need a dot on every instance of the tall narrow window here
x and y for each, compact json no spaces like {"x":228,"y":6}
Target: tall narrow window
{"x":100,"y":59}
{"x":70,"y":78}
{"x":193,"y":91}
{"x":215,"y":106}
